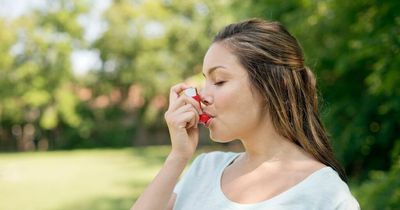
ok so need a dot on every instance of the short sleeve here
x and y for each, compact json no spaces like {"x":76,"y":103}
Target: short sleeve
{"x":348,"y":204}
{"x":187,"y":175}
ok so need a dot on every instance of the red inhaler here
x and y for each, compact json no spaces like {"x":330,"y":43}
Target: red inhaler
{"x":192,"y":92}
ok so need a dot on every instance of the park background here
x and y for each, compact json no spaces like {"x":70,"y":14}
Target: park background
{"x":84,"y":86}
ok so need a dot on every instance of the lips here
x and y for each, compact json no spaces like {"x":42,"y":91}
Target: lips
{"x":208,"y":114}
{"x":205,"y":118}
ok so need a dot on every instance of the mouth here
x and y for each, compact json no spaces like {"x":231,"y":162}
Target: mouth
{"x":205,"y":119}
{"x":209,"y":115}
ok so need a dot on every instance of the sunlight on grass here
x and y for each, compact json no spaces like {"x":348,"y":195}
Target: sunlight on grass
{"x":82,"y":179}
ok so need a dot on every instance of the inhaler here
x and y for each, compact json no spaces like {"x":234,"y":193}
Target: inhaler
{"x":192,"y":92}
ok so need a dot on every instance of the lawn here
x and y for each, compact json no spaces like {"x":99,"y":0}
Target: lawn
{"x":83,"y":179}
{"x":101,"y":179}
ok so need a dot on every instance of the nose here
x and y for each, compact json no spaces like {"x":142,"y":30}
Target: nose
{"x":205,"y":97}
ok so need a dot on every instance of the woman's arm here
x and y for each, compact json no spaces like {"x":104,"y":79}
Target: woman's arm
{"x":159,"y":194}
{"x":182,"y":118}
{"x":171,"y":202}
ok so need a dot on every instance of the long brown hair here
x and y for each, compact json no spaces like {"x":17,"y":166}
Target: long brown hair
{"x":275,"y":64}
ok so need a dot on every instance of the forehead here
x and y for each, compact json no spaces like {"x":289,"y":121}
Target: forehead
{"x":220,"y":57}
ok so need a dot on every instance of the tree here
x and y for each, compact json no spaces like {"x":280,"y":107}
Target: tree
{"x":36,"y":75}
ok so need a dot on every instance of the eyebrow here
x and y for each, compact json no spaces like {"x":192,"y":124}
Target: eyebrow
{"x":211,"y":70}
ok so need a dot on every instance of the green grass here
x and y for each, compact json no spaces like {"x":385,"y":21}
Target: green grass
{"x":81,"y":179}
{"x":102,"y":179}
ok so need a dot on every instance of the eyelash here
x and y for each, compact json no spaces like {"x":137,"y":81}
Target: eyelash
{"x":219,"y":83}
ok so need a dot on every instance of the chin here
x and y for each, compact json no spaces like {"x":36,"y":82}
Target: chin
{"x":220,"y":138}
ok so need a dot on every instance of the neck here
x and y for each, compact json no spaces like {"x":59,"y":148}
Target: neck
{"x":264,"y":145}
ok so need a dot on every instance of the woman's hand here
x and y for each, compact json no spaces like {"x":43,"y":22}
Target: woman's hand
{"x":182,"y":118}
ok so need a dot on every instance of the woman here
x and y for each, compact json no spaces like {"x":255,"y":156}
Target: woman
{"x":257,"y":90}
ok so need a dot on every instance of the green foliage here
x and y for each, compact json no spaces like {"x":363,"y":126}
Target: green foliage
{"x":36,"y":72}
{"x":163,"y":42}
{"x":382,"y":191}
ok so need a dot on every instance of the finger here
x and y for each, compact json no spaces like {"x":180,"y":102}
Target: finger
{"x":193,"y":121}
{"x":195,"y":103}
{"x":182,"y":100}
{"x":184,"y":108}
{"x":188,"y":108}
{"x":178,"y":103}
{"x":176,"y":90}
{"x":182,"y":111}
{"x":187,"y":119}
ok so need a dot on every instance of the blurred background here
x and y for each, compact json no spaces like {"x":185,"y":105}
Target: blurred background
{"x":84,"y":86}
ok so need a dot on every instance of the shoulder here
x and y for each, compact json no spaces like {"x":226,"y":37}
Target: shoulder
{"x":331,"y":182}
{"x":217,"y":156}
{"x":330,"y":188}
{"x":212,"y":160}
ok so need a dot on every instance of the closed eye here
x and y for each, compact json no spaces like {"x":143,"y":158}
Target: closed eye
{"x":219,"y":83}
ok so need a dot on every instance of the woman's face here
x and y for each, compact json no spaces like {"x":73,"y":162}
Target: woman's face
{"x":235,"y":108}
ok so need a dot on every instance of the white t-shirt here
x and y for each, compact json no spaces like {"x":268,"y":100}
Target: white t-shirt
{"x":199,"y":189}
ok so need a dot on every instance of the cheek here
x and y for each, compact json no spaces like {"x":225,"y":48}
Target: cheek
{"x":222,"y":101}
{"x":228,"y":97}
{"x":239,"y":113}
